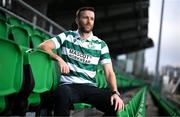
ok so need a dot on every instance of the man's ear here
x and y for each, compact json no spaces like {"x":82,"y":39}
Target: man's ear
{"x":76,"y":20}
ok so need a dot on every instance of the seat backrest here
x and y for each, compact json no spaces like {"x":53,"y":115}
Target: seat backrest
{"x":19,"y":35}
{"x":3,"y":29}
{"x":36,"y":40}
{"x":46,"y":36}
{"x":41,"y":65}
{"x":11,"y":68}
{"x":37,"y":32}
{"x":28,"y":27}
{"x":13,"y":21}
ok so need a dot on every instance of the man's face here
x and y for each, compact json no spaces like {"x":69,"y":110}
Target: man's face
{"x":86,"y":21}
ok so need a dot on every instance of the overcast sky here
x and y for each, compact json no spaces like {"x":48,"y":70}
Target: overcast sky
{"x":170,"y":41}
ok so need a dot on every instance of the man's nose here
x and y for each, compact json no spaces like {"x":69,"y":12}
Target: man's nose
{"x":89,"y":21}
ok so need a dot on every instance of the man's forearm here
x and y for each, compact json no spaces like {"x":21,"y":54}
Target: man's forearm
{"x":50,"y":52}
{"x":110,"y":76}
{"x":112,"y":82}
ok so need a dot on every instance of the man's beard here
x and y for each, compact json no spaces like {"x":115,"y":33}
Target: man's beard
{"x":84,"y":30}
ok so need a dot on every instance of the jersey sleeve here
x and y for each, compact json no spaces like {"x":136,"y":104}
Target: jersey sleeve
{"x":58,"y":40}
{"x":105,"y":56}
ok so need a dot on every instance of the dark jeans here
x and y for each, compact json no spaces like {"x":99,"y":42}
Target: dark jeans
{"x":68,"y":94}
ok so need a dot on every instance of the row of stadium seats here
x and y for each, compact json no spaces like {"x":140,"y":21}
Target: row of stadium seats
{"x":126,"y":81}
{"x":136,"y":106}
{"x":25,"y":74}
{"x":21,"y":36}
{"x":123,"y":81}
{"x":22,"y":33}
{"x":167,"y":108}
{"x":17,"y":22}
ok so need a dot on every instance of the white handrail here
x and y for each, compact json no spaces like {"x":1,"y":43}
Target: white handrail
{"x":40,"y":14}
{"x":24,"y":20}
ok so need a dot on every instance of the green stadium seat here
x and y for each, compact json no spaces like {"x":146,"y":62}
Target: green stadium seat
{"x":3,"y":29}
{"x":46,"y":36}
{"x":28,"y":27}
{"x":42,"y":72}
{"x":123,"y":113}
{"x":35,"y":40}
{"x":47,"y":103}
{"x":19,"y":35}
{"x":81,"y":105}
{"x":11,"y":70}
{"x":13,"y":21}
{"x":37,"y":32}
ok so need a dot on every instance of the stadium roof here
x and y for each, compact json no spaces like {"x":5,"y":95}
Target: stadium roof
{"x":123,"y":24}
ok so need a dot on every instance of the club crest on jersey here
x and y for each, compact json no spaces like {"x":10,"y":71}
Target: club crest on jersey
{"x":91,"y":45}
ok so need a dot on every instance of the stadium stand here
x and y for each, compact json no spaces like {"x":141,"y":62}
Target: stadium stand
{"x":28,"y":84}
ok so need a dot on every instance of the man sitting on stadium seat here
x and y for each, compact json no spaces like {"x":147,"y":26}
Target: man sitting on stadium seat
{"x":81,"y":53}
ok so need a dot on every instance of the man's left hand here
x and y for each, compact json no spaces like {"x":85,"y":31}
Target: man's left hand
{"x":117,"y":102}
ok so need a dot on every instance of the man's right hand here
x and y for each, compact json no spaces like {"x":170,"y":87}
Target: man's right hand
{"x":48,"y":46}
{"x":63,"y":66}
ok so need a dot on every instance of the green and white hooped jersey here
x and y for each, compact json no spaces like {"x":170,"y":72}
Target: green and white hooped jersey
{"x":82,"y":56}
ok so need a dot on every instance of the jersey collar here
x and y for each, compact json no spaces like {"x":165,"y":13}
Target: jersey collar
{"x":88,"y":39}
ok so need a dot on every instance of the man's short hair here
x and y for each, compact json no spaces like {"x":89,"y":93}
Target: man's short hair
{"x":83,"y":9}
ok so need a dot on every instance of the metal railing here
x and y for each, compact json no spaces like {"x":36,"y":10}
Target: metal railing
{"x":52,"y":25}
